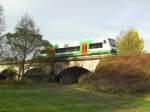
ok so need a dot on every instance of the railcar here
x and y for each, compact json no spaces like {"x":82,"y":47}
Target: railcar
{"x":83,"y":48}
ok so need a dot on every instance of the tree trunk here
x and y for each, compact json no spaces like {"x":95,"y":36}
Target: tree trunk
{"x":21,"y":70}
{"x":19,"y":73}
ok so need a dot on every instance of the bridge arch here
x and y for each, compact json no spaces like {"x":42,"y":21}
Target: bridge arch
{"x":36,"y":74}
{"x":71,"y":75}
{"x":7,"y":74}
{"x":87,"y":64}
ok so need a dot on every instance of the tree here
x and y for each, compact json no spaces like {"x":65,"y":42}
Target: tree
{"x":2,"y":27}
{"x":2,"y":20}
{"x":23,"y":44}
{"x":130,"y":43}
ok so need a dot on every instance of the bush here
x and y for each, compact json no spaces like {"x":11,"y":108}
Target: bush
{"x":120,"y":73}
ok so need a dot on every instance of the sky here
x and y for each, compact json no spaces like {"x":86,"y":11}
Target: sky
{"x":73,"y":20}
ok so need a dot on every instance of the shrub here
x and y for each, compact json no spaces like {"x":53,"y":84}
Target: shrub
{"x":120,"y":73}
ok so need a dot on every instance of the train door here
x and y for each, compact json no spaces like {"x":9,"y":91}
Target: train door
{"x":52,"y":51}
{"x":84,"y":49}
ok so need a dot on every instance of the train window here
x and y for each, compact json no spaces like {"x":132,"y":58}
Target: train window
{"x":68,"y":49}
{"x":43,"y":51}
{"x":60,"y":50}
{"x":105,"y":41}
{"x":95,"y":45}
{"x":76,"y":48}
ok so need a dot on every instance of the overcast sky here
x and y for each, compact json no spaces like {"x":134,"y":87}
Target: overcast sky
{"x":72,"y":20}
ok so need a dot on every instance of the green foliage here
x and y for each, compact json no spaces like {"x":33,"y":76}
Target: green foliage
{"x":130,"y":43}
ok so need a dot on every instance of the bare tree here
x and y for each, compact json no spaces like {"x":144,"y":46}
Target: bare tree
{"x":2,"y":27}
{"x":2,"y":19}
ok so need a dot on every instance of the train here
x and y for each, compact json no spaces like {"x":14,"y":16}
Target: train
{"x":84,"y":47}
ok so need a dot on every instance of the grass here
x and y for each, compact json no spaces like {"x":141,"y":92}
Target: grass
{"x":57,"y":98}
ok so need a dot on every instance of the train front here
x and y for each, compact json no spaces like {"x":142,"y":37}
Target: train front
{"x":113,"y":47}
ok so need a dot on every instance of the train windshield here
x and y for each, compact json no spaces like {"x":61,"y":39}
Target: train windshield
{"x":112,"y":42}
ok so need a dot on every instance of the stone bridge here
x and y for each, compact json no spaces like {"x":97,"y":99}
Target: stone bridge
{"x":69,"y":70}
{"x":89,"y":64}
{"x":43,"y":66}
{"x":30,"y":68}
{"x":61,"y":68}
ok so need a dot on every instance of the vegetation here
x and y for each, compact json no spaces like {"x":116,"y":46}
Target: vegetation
{"x":120,"y":73}
{"x":23,"y":44}
{"x":130,"y":43}
{"x":56,"y":98}
{"x":2,"y":20}
{"x":2,"y":26}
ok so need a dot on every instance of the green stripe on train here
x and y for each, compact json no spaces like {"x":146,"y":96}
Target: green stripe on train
{"x":73,"y":54}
